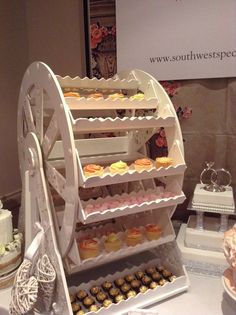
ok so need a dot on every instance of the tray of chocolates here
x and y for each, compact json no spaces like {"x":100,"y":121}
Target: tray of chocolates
{"x":119,"y":292}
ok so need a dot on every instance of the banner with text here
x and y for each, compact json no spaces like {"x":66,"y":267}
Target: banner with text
{"x":177,"y":39}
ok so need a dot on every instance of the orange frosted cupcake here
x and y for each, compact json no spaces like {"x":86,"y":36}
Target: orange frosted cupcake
{"x":163,"y":162}
{"x":71,"y":94}
{"x":153,"y":231}
{"x":112,"y":243}
{"x":133,"y":237}
{"x":143,"y":164}
{"x":95,"y":95}
{"x":93,"y":170}
{"x":88,"y":248}
{"x":118,"y":167}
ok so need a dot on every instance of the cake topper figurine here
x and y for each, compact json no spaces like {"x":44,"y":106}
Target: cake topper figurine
{"x":213,"y":179}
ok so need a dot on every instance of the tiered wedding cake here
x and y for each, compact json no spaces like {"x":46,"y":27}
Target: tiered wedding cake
{"x":10,"y":243}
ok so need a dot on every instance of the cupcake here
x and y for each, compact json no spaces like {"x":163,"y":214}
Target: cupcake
{"x":81,"y":294}
{"x":163,"y":162}
{"x":137,"y":97}
{"x":133,"y":237}
{"x":112,"y":243}
{"x":116,"y":96}
{"x":88,"y":248}
{"x":107,"y":285}
{"x":71,"y":94}
{"x":142,"y":164}
{"x":93,"y":170}
{"x":95,"y":96}
{"x":118,"y":167}
{"x":153,"y":231}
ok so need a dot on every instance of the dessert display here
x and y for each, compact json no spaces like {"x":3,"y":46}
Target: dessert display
{"x":143,"y":164}
{"x":153,"y":231}
{"x":133,"y":237}
{"x":112,"y":243}
{"x":10,"y":243}
{"x":163,"y":162}
{"x":93,"y":170}
{"x":118,"y":167}
{"x":88,"y":248}
{"x":120,"y":289}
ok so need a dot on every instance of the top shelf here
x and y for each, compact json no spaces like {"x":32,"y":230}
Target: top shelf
{"x":94,"y":83}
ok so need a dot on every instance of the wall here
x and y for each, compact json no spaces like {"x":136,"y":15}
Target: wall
{"x":49,"y":31}
{"x":13,"y":61}
{"x":56,"y":35}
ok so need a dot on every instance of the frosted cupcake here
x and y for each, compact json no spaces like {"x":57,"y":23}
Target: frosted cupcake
{"x":153,"y":231}
{"x":118,"y":167}
{"x":133,"y":237}
{"x":88,"y":248}
{"x":143,"y":164}
{"x":93,"y":170}
{"x":112,"y":243}
{"x":163,"y":162}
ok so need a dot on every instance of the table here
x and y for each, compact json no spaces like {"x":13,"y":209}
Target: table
{"x":206,"y":296}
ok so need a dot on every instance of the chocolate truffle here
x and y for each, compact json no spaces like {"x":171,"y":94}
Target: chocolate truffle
{"x":81,"y":294}
{"x":150,"y":271}
{"x":156,"y":276}
{"x":166,"y":273}
{"x":107,"y":285}
{"x":119,"y":297}
{"x":81,"y":312}
{"x":75,"y":306}
{"x":153,"y":285}
{"x":107,"y":303}
{"x":139,"y":274}
{"x":131,"y":293}
{"x":129,"y":278}
{"x":95,"y":290}
{"x":113,"y":292}
{"x":125,"y":288}
{"x":135,"y":284}
{"x":88,"y":301}
{"x":119,"y":282}
{"x":94,"y":308}
{"x":101,"y":297}
{"x":143,"y":289}
{"x":146,"y":280}
{"x":162,"y":282}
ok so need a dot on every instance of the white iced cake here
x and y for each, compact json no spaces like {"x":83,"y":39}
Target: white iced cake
{"x":202,"y":197}
{"x":10,"y":243}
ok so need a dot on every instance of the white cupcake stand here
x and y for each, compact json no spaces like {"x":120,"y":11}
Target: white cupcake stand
{"x":54,"y":146}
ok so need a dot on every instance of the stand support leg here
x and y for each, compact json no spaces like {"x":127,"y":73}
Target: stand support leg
{"x":223,"y":222}
{"x":199,"y":225}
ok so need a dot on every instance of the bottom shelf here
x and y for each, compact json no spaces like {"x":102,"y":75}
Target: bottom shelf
{"x":167,"y":256}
